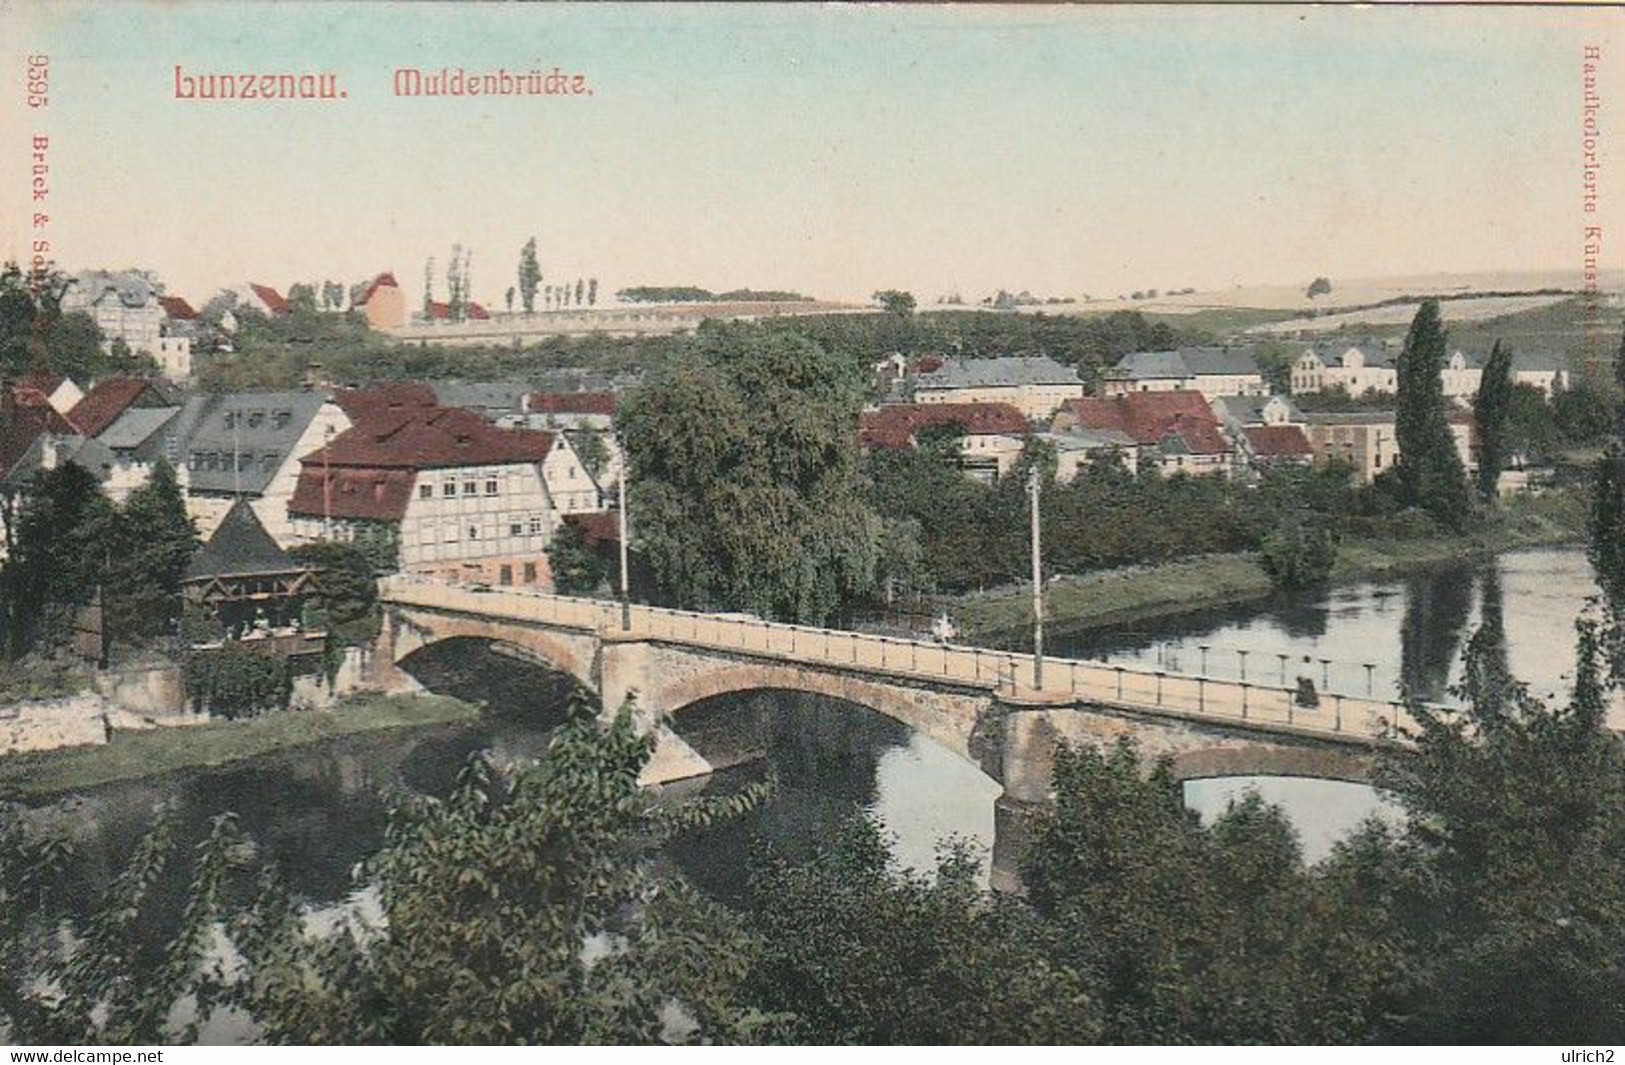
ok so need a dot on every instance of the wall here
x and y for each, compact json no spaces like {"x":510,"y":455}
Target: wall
{"x":71,"y":722}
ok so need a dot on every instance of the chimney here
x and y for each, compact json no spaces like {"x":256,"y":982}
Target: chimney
{"x":48,"y":452}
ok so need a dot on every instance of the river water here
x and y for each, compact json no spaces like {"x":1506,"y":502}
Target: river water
{"x":318,"y":811}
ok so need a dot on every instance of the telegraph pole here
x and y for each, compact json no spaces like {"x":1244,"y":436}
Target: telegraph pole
{"x":1038,"y":583}
{"x":626,"y":588}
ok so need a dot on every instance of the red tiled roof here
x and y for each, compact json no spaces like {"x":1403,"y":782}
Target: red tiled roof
{"x":897,"y":426}
{"x":384,"y":399}
{"x":431,"y":439}
{"x":27,"y":423}
{"x":1278,"y":441}
{"x":927,"y":364}
{"x":107,"y":399}
{"x":368,"y":470}
{"x":441,"y":312}
{"x":177,"y":308}
{"x":355,"y":492}
{"x":41,"y":381}
{"x":270,"y":297}
{"x":1149,"y":417}
{"x":383,"y":280}
{"x":571,"y":402}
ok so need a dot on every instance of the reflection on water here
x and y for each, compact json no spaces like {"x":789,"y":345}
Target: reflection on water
{"x":1389,"y":636}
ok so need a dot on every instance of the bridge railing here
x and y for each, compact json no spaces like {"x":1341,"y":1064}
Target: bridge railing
{"x":1126,"y":686}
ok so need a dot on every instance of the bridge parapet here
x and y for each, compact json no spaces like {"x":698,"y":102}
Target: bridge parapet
{"x":1006,"y":674}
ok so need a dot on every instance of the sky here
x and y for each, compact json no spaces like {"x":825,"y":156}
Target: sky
{"x":831,"y":150}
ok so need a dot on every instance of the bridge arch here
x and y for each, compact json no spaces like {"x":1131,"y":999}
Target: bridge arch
{"x":1275,"y":760}
{"x":941,"y":717}
{"x":572,"y":656}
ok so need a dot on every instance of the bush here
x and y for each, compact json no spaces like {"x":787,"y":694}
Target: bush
{"x":1299,"y":553}
{"x":236,"y":681}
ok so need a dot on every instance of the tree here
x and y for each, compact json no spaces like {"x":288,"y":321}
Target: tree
{"x":1428,"y":469}
{"x":302,"y":298}
{"x":346,"y":596}
{"x":1491,"y":407}
{"x":745,"y":483}
{"x":428,"y":290}
{"x":154,"y":539}
{"x":1517,"y":811}
{"x":456,"y":292}
{"x":507,"y":299}
{"x":577,"y":569}
{"x":895,"y":302}
{"x":516,"y":910}
{"x":530,"y":275}
{"x":62,"y":533}
{"x":581,"y":291}
{"x":837,"y":928}
{"x":592,"y":292}
{"x":1299,"y":552}
{"x":1605,"y":543}
{"x":1320,"y":286}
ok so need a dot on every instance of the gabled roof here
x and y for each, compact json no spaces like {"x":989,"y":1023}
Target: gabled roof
{"x":383,"y":280}
{"x":1005,"y":371}
{"x":1249,"y":410}
{"x":352,"y":492}
{"x":436,"y":439}
{"x":484,"y":397}
{"x":240,"y":547}
{"x":441,"y":312}
{"x":22,"y":454}
{"x":136,"y":426}
{"x":1277,"y":441}
{"x":270,"y":297}
{"x":109,"y":398}
{"x":261,"y":429}
{"x":96,"y":286}
{"x":1185,"y":363}
{"x":898,"y":425}
{"x":177,"y":308}
{"x":571,"y":402}
{"x":1334,"y":354}
{"x":1150,"y":417}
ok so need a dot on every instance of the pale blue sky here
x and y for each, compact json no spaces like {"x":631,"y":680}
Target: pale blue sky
{"x":832,"y":150}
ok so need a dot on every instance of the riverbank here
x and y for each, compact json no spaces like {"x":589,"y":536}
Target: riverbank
{"x":1137,"y":593}
{"x":131,"y":755}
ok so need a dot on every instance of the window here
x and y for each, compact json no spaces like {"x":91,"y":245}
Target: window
{"x":448,"y":489}
{"x":537,"y":526}
{"x":271,"y":460}
{"x":516,"y":529}
{"x":471,"y":488}
{"x":505,"y":575}
{"x":473,"y":532}
{"x":530,"y":573}
{"x":281,"y":418}
{"x":256,"y":418}
{"x":491,"y":486}
{"x":425,"y":491}
{"x":231,"y":419}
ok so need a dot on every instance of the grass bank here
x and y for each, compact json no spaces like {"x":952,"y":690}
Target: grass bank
{"x":131,"y":755}
{"x":1136,"y":593}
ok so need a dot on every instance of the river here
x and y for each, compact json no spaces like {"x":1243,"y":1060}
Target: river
{"x":317,"y":811}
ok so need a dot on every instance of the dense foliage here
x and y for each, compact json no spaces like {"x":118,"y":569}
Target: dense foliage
{"x":745,"y":486}
{"x":576,"y":567}
{"x":36,"y":336}
{"x":236,"y":680}
{"x":1491,"y":405}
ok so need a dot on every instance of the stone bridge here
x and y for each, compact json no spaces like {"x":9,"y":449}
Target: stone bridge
{"x":981,"y":704}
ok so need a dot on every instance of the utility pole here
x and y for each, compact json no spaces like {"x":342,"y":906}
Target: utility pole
{"x":626,"y":587}
{"x":1038,"y":583}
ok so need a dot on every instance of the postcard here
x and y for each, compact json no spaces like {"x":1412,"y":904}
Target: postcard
{"x":806,"y":525}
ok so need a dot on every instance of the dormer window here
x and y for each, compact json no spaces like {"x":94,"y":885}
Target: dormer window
{"x":231,"y":419}
{"x":256,"y":419}
{"x":281,"y":418}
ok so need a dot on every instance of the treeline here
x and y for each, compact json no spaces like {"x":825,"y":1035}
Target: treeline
{"x":538,"y":908}
{"x":36,"y":336}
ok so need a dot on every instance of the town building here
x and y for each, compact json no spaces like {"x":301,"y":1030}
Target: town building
{"x":1266,"y":446}
{"x":1036,"y":386}
{"x":1238,"y":412}
{"x":1463,"y":373}
{"x":54,"y":390}
{"x":249,"y":588}
{"x":128,"y":305}
{"x":1212,"y":371}
{"x":990,"y":435}
{"x":248,"y":444}
{"x":383,"y":302}
{"x":444,"y":492}
{"x":1078,"y":448}
{"x":1174,"y":432}
{"x":1365,"y":440}
{"x":1358,"y":369}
